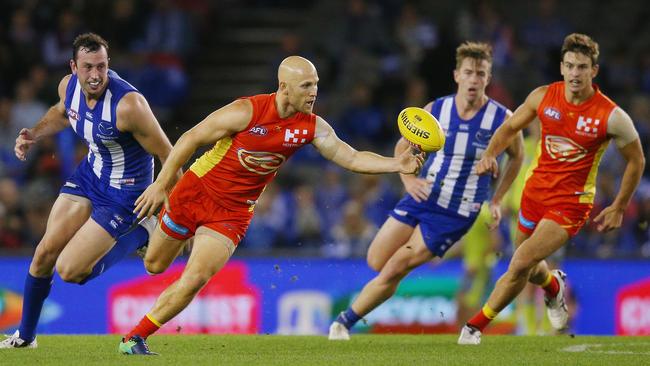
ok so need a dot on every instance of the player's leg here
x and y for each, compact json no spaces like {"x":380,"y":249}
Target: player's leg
{"x":210,"y":253}
{"x":391,"y":236}
{"x":68,"y":213}
{"x":162,"y":251}
{"x":84,"y":250}
{"x":410,"y":255}
{"x":545,"y":240}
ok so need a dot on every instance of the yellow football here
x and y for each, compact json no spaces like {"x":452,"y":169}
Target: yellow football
{"x":421,"y":129}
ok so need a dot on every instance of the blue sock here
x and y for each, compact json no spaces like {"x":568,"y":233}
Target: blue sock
{"x":34,"y":295}
{"x":348,"y":318}
{"x":125,"y":245}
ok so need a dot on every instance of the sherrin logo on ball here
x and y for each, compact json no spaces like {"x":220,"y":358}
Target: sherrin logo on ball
{"x":421,"y":129}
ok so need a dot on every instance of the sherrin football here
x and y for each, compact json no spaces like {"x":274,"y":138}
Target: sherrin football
{"x":421,"y":129}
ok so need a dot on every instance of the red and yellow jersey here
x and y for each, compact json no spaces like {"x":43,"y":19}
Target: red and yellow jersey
{"x":238,"y":168}
{"x":573,"y":140}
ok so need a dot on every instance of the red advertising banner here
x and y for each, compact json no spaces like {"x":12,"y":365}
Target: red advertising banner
{"x":228,"y":303}
{"x":633,"y":309}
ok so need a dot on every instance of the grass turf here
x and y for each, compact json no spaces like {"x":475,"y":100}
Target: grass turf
{"x":361,"y":350}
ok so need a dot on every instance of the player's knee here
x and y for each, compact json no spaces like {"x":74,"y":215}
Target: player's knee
{"x":194,"y":281}
{"x":69,"y":273}
{"x":374,"y":262}
{"x":520,"y":267}
{"x":43,"y":261}
{"x":153,"y":267}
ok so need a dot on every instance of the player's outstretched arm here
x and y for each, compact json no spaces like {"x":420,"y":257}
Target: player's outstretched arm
{"x":515,"y":152}
{"x":522,"y":117}
{"x":53,"y":121}
{"x":135,"y":116}
{"x":621,"y":128}
{"x":221,"y":123}
{"x":336,"y":150}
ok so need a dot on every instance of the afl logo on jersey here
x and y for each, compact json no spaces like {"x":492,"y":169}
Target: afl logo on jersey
{"x":552,"y":113}
{"x":259,"y":162}
{"x":73,"y":114}
{"x":564,"y":149}
{"x":258,"y":131}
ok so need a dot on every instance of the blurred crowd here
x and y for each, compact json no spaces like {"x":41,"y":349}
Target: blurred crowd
{"x":374,"y":58}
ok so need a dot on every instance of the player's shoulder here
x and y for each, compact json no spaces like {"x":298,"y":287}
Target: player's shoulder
{"x":435,"y":105}
{"x":119,"y":86}
{"x":500,"y":107}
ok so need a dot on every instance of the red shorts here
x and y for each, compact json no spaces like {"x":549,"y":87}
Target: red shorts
{"x":570,"y":216}
{"x":190,"y":207}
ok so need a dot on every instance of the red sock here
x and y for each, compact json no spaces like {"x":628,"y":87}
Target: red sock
{"x":145,"y":328}
{"x":482,"y":318}
{"x":551,"y":286}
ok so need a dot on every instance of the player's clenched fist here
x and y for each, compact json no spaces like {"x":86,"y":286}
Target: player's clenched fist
{"x":487,"y":164}
{"x":24,"y":141}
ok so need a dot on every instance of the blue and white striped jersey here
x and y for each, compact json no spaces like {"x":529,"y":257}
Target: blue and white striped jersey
{"x":452,"y":170}
{"x":115,"y":157}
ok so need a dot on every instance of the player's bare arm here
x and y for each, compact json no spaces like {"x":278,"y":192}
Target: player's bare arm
{"x":339,"y":152}
{"x":53,"y":121}
{"x":135,"y":116}
{"x":621,"y":129}
{"x":221,"y":123}
{"x":522,"y":117}
{"x":515,"y":152}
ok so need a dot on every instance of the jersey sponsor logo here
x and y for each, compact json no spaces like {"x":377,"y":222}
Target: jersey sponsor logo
{"x":89,"y":115}
{"x":552,"y":113}
{"x":295,"y":137}
{"x":483,"y":136}
{"x":73,"y":114}
{"x":258,"y":131}
{"x":587,"y":126}
{"x":105,"y":128}
{"x":564,"y":149}
{"x":260,"y":162}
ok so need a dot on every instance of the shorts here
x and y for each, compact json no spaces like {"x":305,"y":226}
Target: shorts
{"x":112,"y":208}
{"x":440,"y":228}
{"x":191,"y":206}
{"x":570,"y":216}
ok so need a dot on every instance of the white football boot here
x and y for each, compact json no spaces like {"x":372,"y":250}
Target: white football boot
{"x":556,"y":309}
{"x":338,"y":332}
{"x":15,"y":341}
{"x":469,"y":335}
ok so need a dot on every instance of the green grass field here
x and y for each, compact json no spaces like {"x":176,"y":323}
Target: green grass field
{"x":361,"y":350}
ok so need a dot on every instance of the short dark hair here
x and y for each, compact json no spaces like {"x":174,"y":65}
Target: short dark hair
{"x":476,"y":50}
{"x":581,"y":43}
{"x":90,"y":41}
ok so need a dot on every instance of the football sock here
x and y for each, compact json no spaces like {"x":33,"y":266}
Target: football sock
{"x":35,"y":292}
{"x":482,"y":318}
{"x":551,"y":286}
{"x":125,"y":245}
{"x":348,"y":318}
{"x":147,"y":326}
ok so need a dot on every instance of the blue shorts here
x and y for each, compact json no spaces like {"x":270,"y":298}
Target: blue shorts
{"x":112,"y":208}
{"x":440,"y":228}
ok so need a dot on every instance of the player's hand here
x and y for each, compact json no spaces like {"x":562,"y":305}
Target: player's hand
{"x":24,"y":141}
{"x":609,"y":218}
{"x":495,"y":212}
{"x":418,"y":188}
{"x":410,"y":162}
{"x":150,"y":200}
{"x":487,"y":164}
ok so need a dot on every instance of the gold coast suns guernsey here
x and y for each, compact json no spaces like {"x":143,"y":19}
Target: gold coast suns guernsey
{"x":238,"y":168}
{"x":573,"y":140}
